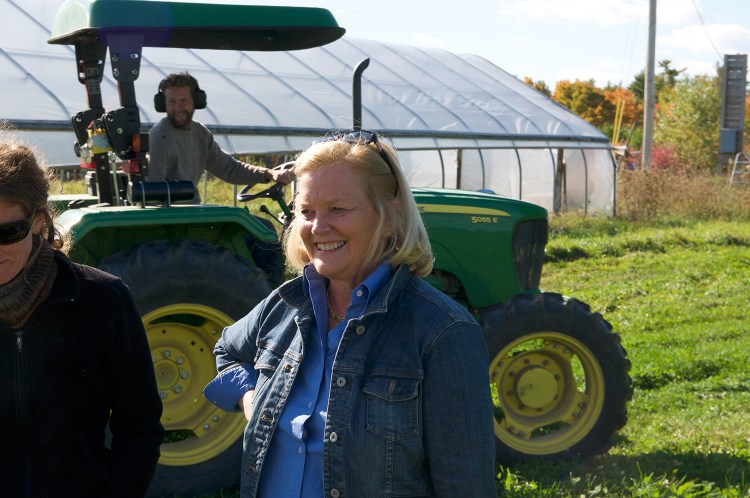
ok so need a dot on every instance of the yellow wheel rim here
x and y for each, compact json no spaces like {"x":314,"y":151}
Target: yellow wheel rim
{"x":549,"y":393}
{"x":182,"y":338}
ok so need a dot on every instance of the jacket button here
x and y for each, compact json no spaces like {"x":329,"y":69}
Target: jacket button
{"x":341,"y":382}
{"x":287,"y":368}
{"x":335,"y":493}
{"x":333,"y":437}
{"x":360,"y":330}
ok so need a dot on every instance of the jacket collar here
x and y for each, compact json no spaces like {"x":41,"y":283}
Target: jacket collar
{"x":293,"y":294}
{"x":67,"y":286}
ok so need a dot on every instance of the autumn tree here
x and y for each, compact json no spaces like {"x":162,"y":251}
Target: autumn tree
{"x":586,"y":100}
{"x":687,"y":120}
{"x":540,"y":85}
{"x":630,"y":113}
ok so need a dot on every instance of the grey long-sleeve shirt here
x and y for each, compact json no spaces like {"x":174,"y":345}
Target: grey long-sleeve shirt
{"x":178,"y":154}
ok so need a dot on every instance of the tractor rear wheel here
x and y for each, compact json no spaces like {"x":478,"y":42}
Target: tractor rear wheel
{"x":187,"y":292}
{"x":559,"y":378}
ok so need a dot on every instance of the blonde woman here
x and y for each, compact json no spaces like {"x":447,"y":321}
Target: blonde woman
{"x":358,"y":379}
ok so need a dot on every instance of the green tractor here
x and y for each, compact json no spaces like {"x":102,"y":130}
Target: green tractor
{"x":559,"y":374}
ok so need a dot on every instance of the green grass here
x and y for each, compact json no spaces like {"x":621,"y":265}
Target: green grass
{"x":678,"y":293}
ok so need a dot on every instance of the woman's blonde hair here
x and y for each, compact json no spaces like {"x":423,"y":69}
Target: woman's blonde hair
{"x":400,"y":236}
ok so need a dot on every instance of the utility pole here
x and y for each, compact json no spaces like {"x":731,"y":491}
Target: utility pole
{"x":649,"y":87}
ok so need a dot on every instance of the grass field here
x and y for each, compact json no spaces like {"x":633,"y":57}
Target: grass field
{"x":671,"y":273}
{"x":678,"y":294}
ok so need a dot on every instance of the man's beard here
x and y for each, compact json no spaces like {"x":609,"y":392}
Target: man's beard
{"x":179,"y":124}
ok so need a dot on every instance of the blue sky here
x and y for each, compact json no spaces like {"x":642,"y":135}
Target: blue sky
{"x":553,"y":40}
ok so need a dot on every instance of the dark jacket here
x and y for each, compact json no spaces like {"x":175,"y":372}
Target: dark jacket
{"x":83,"y":363}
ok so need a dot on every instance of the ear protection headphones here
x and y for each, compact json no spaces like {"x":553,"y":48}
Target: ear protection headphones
{"x":199,"y":96}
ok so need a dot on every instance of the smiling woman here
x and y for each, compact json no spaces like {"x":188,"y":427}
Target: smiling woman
{"x":358,"y":366}
{"x":68,"y":335}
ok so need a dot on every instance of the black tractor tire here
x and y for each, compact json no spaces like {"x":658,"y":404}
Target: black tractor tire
{"x":560,"y":379}
{"x":187,"y":292}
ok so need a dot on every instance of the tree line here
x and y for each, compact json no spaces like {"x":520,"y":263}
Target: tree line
{"x":687,"y":114}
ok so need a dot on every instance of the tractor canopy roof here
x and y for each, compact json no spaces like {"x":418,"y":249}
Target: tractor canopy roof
{"x":195,"y":25}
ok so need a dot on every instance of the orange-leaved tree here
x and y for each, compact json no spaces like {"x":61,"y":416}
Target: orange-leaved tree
{"x":586,"y":100}
{"x":628,"y":113}
{"x":540,"y":85}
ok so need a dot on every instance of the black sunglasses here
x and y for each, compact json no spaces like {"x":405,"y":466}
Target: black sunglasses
{"x":361,"y":137}
{"x":16,"y":231}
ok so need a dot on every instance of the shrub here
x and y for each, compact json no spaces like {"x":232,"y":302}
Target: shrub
{"x":665,"y":157}
{"x":678,"y":192}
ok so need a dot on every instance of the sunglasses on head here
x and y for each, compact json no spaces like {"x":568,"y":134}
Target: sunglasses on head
{"x":361,"y":137}
{"x":16,"y":231}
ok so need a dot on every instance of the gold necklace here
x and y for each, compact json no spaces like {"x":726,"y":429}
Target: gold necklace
{"x":333,"y":314}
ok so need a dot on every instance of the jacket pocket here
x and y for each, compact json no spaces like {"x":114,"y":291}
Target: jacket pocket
{"x":392,"y":407}
{"x":266,"y":364}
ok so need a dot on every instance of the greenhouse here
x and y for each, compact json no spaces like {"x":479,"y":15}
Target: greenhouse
{"x":458,"y":121}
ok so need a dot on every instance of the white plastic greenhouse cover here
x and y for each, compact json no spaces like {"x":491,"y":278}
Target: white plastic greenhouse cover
{"x":458,"y":121}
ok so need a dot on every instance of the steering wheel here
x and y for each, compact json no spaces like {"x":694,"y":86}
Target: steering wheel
{"x":275,"y":191}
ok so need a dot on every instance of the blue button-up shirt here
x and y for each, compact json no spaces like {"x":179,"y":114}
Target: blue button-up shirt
{"x":294,"y":464}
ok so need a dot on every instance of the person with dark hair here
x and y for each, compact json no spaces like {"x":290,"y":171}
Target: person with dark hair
{"x":358,"y":379}
{"x":75,"y":365}
{"x":181,"y":148}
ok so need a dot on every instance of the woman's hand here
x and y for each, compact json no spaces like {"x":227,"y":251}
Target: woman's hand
{"x":246,"y":403}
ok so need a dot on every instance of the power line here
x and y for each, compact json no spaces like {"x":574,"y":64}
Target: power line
{"x":627,"y":57}
{"x":697,"y":10}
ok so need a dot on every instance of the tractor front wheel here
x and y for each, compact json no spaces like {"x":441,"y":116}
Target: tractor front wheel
{"x":559,"y":378}
{"x":187,"y":292}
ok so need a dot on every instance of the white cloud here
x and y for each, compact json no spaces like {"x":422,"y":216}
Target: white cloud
{"x":721,"y":38}
{"x":730,"y":38}
{"x":690,"y":38}
{"x":603,"y":13}
{"x":695,"y":67}
{"x":674,"y":12}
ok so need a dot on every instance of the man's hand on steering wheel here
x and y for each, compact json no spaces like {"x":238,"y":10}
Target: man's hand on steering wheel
{"x":284,"y":176}
{"x":281,"y":174}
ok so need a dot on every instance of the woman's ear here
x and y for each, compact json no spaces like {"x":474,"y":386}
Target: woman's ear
{"x":38,"y":224}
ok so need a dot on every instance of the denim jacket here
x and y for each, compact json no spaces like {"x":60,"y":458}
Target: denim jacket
{"x":410,"y":411}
